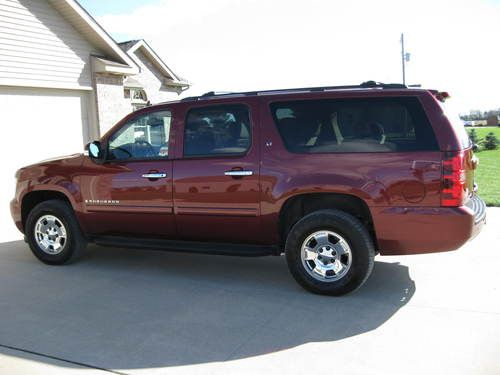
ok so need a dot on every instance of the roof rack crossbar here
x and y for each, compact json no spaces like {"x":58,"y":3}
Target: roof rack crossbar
{"x":364,"y":85}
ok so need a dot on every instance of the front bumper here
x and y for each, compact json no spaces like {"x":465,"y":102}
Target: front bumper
{"x":417,"y":230}
{"x":15,"y":212}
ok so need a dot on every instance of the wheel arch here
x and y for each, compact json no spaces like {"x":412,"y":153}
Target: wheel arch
{"x":297,"y":206}
{"x":34,"y":197}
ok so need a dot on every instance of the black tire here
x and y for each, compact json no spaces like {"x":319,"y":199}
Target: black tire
{"x":75,"y":243}
{"x":357,"y":237}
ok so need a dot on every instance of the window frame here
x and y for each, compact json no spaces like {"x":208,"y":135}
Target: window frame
{"x":218,"y":156}
{"x":132,"y":119}
{"x":273,"y":103}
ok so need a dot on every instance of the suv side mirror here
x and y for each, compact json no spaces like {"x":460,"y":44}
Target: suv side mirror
{"x":96,"y":152}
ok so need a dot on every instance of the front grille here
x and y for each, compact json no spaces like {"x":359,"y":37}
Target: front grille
{"x":477,"y":205}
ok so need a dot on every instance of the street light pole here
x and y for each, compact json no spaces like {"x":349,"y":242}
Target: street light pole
{"x":403,"y":57}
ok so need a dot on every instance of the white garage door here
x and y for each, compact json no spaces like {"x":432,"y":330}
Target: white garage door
{"x":36,"y":124}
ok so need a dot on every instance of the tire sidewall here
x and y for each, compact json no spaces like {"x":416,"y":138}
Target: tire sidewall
{"x":59,"y":210}
{"x":351,"y":230}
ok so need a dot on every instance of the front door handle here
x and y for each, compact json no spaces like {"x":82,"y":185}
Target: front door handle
{"x":238,"y":173}
{"x":154,"y":175}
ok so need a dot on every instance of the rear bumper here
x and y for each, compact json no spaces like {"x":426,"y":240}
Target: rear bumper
{"x":418,"y":230}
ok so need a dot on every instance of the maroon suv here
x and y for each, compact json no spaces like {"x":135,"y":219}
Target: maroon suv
{"x":329,"y":176}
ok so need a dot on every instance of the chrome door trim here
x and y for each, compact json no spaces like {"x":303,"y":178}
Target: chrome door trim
{"x":154,"y":175}
{"x":238,"y":173}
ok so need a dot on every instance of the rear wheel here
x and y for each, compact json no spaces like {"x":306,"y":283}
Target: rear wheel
{"x":53,"y":233}
{"x":330,"y":252}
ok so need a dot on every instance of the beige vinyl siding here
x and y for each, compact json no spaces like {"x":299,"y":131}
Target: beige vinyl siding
{"x":39,"y":47}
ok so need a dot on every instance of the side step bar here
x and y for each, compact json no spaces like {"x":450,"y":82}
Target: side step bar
{"x":186,"y":246}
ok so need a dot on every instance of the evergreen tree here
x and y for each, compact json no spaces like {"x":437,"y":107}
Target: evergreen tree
{"x":473,"y":136}
{"x":491,"y":142}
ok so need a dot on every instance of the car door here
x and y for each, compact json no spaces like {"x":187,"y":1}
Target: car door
{"x":130,"y":194}
{"x":216,"y":176}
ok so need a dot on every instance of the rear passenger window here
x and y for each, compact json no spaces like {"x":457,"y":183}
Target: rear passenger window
{"x":221,"y":130}
{"x":354,"y":125}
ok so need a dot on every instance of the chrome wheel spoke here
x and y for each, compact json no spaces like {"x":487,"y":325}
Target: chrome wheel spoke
{"x":310,"y":254}
{"x":322,"y":239}
{"x":341,"y":248}
{"x":338,"y":266}
{"x":321,"y":271}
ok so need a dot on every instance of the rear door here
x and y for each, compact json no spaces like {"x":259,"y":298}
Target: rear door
{"x":216,"y":174}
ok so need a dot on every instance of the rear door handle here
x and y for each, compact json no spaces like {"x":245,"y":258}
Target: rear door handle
{"x":154,"y":175}
{"x":237,"y":173}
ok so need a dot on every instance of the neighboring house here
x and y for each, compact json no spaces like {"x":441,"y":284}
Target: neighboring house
{"x":493,"y":120}
{"x":64,"y":81}
{"x":118,"y":95}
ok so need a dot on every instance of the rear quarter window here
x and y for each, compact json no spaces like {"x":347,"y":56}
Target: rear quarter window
{"x":354,"y":125}
{"x":452,"y":114}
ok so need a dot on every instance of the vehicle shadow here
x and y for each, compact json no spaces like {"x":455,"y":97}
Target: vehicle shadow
{"x":129,"y":309}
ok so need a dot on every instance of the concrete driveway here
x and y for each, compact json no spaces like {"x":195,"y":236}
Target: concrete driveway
{"x":144,"y":312}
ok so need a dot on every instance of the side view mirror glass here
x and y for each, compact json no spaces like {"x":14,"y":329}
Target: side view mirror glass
{"x":96,"y":152}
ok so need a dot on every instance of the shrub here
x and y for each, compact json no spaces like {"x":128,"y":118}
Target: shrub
{"x":473,"y":136}
{"x":490,"y":142}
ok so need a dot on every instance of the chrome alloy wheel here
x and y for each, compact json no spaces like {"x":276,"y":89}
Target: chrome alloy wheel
{"x":326,"y":256}
{"x":50,"y":234}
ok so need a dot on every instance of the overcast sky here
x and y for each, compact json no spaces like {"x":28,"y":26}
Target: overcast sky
{"x":234,"y":45}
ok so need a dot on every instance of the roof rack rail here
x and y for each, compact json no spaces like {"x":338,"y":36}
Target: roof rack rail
{"x":364,"y":85}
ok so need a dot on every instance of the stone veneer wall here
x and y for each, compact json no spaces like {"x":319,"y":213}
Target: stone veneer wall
{"x":111,"y":104}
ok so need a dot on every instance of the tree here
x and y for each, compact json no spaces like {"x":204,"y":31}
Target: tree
{"x":490,"y":142}
{"x":473,"y":136}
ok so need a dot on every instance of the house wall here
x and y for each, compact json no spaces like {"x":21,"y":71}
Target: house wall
{"x":111,"y":104}
{"x":39,"y":48}
{"x":151,"y":79}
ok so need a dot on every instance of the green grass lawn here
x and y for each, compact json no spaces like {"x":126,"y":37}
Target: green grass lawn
{"x":488,"y":173}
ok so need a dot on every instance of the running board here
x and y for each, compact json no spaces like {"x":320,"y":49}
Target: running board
{"x":186,"y":246}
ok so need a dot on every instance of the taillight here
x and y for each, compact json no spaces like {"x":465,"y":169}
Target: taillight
{"x":454,"y":190}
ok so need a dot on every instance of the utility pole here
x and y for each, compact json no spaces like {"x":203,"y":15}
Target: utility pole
{"x":403,"y":57}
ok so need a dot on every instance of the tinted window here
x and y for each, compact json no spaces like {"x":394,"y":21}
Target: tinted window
{"x":143,"y":137}
{"x":354,"y":125}
{"x":458,"y":125}
{"x":221,"y":130}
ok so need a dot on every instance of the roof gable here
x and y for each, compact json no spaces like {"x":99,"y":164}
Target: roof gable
{"x":134,"y":45}
{"x":84,"y":23}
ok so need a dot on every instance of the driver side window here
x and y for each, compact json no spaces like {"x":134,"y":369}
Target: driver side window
{"x":144,"y":137}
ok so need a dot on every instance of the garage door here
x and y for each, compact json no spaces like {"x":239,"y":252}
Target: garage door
{"x":36,"y":124}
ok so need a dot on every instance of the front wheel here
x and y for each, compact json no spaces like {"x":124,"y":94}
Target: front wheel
{"x":53,"y":233}
{"x":330,"y":252}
